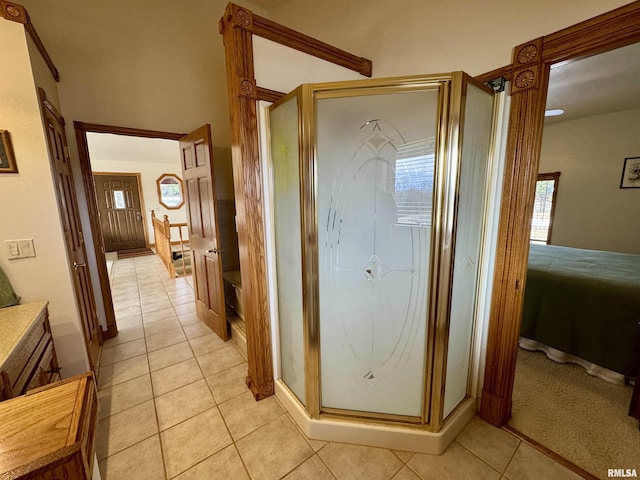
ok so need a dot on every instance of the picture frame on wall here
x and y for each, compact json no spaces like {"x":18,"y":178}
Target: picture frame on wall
{"x":7,"y":159}
{"x":631,"y":173}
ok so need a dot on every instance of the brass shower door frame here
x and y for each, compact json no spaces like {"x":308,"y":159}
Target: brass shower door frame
{"x":451,"y":100}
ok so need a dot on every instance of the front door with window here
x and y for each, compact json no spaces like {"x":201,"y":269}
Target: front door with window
{"x":120,"y":211}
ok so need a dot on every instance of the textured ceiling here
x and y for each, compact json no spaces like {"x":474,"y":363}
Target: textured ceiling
{"x":596,"y":85}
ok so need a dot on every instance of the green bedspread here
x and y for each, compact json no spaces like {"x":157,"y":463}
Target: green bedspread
{"x":585,"y":303}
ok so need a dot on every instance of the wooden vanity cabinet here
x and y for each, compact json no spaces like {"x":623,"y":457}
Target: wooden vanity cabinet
{"x":49,"y":433}
{"x":27,"y":354}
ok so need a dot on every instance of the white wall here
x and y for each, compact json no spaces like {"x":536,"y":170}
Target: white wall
{"x":28,"y":207}
{"x":160,"y":65}
{"x":592,"y":211}
{"x":156,"y":65}
{"x":405,"y":37}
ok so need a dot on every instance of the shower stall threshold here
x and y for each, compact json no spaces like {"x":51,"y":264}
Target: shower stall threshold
{"x":398,"y":437}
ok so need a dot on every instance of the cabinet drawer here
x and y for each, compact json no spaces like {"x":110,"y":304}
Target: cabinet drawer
{"x":31,"y":369}
{"x":47,"y":369}
{"x":22,"y":362}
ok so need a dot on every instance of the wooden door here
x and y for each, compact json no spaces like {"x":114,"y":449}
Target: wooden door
{"x":74,"y":240}
{"x":120,"y":211}
{"x":197,"y":171}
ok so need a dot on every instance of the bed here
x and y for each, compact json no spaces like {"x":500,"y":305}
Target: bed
{"x":584,"y":303}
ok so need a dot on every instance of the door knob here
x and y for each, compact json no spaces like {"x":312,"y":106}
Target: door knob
{"x":78,"y":265}
{"x":214,"y":250}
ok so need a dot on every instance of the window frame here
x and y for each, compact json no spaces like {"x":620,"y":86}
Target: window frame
{"x":180,"y":185}
{"x":555,"y":176}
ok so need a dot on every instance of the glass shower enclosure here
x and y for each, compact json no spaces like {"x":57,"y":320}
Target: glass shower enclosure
{"x":378,"y":197}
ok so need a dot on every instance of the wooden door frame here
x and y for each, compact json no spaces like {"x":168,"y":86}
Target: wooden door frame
{"x":530,"y":75}
{"x":81,"y":130}
{"x":138,"y":176}
{"x":238,"y":26}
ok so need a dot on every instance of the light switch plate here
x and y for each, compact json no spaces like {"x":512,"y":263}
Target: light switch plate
{"x":19,"y":248}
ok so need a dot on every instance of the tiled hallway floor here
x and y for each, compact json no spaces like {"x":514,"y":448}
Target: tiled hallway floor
{"x":173,"y":404}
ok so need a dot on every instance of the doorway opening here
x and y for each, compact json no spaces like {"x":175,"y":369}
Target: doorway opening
{"x":149,"y":157}
{"x":579,"y":332}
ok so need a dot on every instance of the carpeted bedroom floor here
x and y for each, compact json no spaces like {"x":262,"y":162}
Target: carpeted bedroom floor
{"x":579,"y":416}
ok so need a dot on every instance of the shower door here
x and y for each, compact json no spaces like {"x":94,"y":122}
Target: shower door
{"x":366,"y":180}
{"x":375,"y":169}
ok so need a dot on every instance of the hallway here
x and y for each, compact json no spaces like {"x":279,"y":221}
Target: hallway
{"x":173,"y":404}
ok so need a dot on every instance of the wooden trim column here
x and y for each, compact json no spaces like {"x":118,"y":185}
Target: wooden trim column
{"x":236,"y":28}
{"x":528,"y":94}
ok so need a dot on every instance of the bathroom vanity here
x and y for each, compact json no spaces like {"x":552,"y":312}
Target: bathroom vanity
{"x":27,"y":354}
{"x":49,"y":432}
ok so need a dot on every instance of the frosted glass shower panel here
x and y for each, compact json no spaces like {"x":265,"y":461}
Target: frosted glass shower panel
{"x":476,"y":144}
{"x":285,"y":173}
{"x":375,"y":177}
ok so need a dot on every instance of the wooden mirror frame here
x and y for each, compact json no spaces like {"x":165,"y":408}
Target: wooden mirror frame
{"x":159,"y":181}
{"x":529,"y":75}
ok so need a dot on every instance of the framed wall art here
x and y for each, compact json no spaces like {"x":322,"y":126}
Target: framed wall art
{"x":630,"y":173}
{"x":7,"y":159}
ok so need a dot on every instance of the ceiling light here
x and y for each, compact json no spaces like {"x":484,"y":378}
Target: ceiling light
{"x":553,"y":112}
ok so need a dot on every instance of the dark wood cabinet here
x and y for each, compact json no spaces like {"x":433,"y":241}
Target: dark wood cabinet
{"x":27,"y":354}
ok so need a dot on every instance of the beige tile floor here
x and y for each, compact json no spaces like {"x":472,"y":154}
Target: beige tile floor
{"x":173,"y":404}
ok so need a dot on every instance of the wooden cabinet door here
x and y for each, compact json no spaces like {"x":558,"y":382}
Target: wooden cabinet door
{"x":199,"y":181}
{"x":74,"y":240}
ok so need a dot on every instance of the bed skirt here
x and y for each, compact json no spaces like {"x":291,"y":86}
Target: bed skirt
{"x":562,"y":357}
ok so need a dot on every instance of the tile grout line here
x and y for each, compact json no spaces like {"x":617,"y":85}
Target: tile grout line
{"x":153,"y":394}
{"x":483,"y":460}
{"x":145,"y":337}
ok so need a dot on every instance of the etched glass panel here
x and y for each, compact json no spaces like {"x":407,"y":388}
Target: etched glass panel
{"x":375,"y":174}
{"x":286,"y":211}
{"x":118,"y":199}
{"x":476,"y":143}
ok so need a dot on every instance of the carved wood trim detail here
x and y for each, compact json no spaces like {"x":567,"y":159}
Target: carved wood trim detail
{"x":17,"y":13}
{"x":243,"y":19}
{"x":14,"y":12}
{"x":247,"y":87}
{"x":527,"y":78}
{"x":526,"y":66}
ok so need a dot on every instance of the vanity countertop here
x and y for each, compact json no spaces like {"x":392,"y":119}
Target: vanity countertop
{"x":14,"y":322}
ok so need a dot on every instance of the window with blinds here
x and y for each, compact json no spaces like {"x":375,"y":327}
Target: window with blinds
{"x":544,"y":207}
{"x":414,"y":175}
